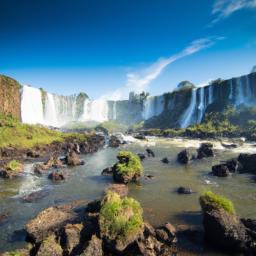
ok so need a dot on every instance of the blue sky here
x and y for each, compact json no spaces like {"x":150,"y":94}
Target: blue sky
{"x":108,"y":47}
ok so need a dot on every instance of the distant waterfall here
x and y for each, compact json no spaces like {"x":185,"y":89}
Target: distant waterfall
{"x":50,"y":111}
{"x":201,"y":105}
{"x":31,"y":106}
{"x":152,"y":106}
{"x":187,"y":117}
{"x":114,"y":110}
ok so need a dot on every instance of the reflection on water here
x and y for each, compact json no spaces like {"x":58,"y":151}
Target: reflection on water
{"x":158,"y":196}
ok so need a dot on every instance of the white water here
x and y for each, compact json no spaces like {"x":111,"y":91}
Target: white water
{"x":201,"y":106}
{"x":114,"y":110}
{"x":31,"y":106}
{"x":50,"y":111}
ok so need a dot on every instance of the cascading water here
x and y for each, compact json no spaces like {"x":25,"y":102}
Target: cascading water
{"x":50,"y":111}
{"x":114,"y":110}
{"x":187,"y":117}
{"x":152,"y":106}
{"x":31,"y":106}
{"x":201,"y":105}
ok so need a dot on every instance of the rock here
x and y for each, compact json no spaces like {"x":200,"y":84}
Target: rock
{"x":184,"y":156}
{"x":166,"y":234}
{"x":248,"y":163}
{"x":3,"y":217}
{"x":229,"y":146}
{"x":107,"y":171}
{"x":52,"y":162}
{"x":149,"y":177}
{"x":165,"y":160}
{"x":205,"y":150}
{"x":225,"y":231}
{"x":48,"y":221}
{"x":141,"y":156}
{"x":114,"y":141}
{"x":35,"y":196}
{"x":94,"y":247}
{"x":10,"y":171}
{"x":220,"y":170}
{"x":150,"y":152}
{"x":72,"y":159}
{"x":121,"y":189}
{"x":233,"y":165}
{"x":33,"y":154}
{"x":49,"y":246}
{"x":184,"y":190}
{"x":71,"y":238}
{"x":56,"y":176}
{"x":140,"y":137}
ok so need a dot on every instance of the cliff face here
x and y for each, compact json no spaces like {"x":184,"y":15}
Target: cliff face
{"x":10,"y":97}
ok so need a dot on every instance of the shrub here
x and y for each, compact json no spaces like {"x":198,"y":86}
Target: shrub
{"x":14,"y":166}
{"x":120,"y":218}
{"x":129,"y":164}
{"x":210,"y":201}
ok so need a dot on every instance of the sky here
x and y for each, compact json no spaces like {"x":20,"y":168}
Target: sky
{"x":107,"y":48}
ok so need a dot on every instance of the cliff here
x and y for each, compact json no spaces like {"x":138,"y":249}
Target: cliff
{"x":10,"y":97}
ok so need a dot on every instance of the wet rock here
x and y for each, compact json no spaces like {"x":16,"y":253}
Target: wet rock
{"x":94,"y":247}
{"x":141,"y":156}
{"x":121,"y":189}
{"x":52,"y":162}
{"x":140,"y":137}
{"x":50,"y":246}
{"x":220,"y":170}
{"x":72,"y":159}
{"x":48,"y":221}
{"x":251,"y":225}
{"x":248,"y":163}
{"x":149,"y":177}
{"x":3,"y":217}
{"x":205,"y":150}
{"x":225,"y":231}
{"x":9,"y":172}
{"x":150,"y":152}
{"x":229,"y":146}
{"x":184,"y":190}
{"x":184,"y":156}
{"x":165,"y":160}
{"x":35,"y":196}
{"x":233,"y":165}
{"x":114,"y":141}
{"x":56,"y":176}
{"x":33,"y":154}
{"x":107,"y":171}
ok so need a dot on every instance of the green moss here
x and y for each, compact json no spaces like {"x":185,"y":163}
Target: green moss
{"x":13,"y":253}
{"x":129,"y":164}
{"x":16,"y":134}
{"x":14,"y":166}
{"x":209,"y":200}
{"x":120,"y":218}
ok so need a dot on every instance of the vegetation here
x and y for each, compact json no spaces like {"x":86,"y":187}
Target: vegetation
{"x":120,"y":218}
{"x":210,"y":201}
{"x":129,"y":164}
{"x":16,"y":134}
{"x":112,"y":127}
{"x":14,"y":166}
{"x":13,"y":253}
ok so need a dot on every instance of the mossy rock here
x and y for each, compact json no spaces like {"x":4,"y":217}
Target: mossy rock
{"x":129,"y":167}
{"x":210,"y":201}
{"x":49,"y":246}
{"x":120,"y":220}
{"x":14,"y":166}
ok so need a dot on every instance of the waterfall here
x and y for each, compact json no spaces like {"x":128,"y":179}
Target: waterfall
{"x":96,"y":110}
{"x":114,"y":110}
{"x":231,"y":89}
{"x":152,"y":106}
{"x":50,"y":111}
{"x":31,"y":105}
{"x":210,"y":94}
{"x":201,"y":105}
{"x":187,"y":117}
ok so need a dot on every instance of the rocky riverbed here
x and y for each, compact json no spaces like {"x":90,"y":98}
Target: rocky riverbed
{"x":23,"y":198}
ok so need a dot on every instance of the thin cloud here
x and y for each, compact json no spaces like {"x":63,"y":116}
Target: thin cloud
{"x":140,"y":81}
{"x":224,"y":8}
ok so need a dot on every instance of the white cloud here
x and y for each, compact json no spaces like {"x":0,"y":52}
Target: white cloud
{"x":140,"y":81}
{"x":224,"y":8}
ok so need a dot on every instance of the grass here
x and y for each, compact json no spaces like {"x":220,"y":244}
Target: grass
{"x":120,"y":218}
{"x":129,"y":164}
{"x":112,"y":127}
{"x":14,"y":166}
{"x":16,"y":134}
{"x":210,"y":200}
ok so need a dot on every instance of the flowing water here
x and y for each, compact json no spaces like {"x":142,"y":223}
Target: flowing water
{"x":158,"y":196}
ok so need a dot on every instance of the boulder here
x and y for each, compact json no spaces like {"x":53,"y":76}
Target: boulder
{"x":33,"y":153}
{"x":56,"y":176}
{"x":248,"y":163}
{"x":12,"y":169}
{"x":141,"y":156}
{"x":220,"y":170}
{"x":184,"y":156}
{"x":184,"y":190}
{"x":94,"y":247}
{"x":35,"y":196}
{"x":140,"y":137}
{"x":121,"y":189}
{"x":165,"y":160}
{"x":50,"y":246}
{"x":233,"y":165}
{"x":72,"y":159}
{"x":205,"y":150}
{"x":52,"y":162}
{"x":166,"y":234}
{"x":114,"y":141}
{"x":107,"y":171}
{"x":150,"y":152}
